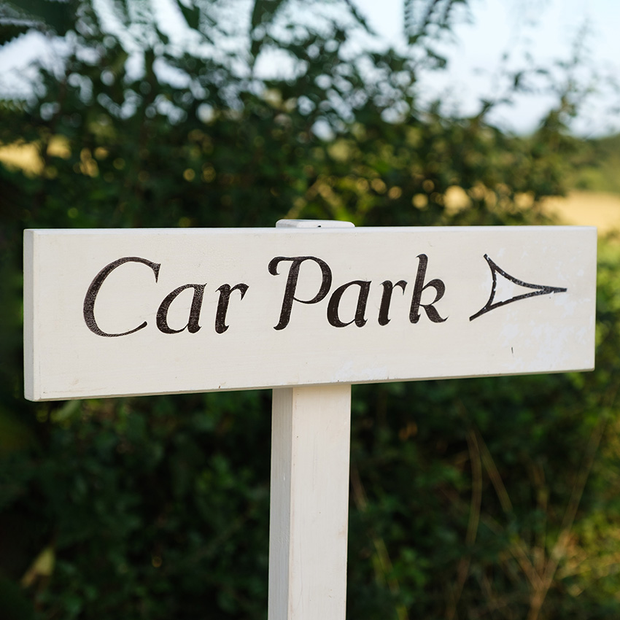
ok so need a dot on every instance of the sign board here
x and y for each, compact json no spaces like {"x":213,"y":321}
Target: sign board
{"x":127,"y":312}
{"x":309,"y":311}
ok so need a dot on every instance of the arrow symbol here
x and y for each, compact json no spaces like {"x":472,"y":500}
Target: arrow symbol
{"x":538,"y":289}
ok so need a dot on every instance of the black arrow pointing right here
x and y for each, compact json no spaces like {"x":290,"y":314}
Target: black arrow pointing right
{"x":538,"y":290}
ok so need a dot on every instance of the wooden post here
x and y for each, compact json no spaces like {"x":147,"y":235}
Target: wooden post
{"x":309,"y":511}
{"x":309,"y":502}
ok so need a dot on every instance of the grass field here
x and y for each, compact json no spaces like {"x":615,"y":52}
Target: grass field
{"x":587,"y":208}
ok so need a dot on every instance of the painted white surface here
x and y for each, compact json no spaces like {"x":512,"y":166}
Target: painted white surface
{"x":309,"y":502}
{"x":305,"y":224}
{"x":65,"y":359}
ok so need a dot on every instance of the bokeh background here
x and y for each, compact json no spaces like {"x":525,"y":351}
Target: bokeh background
{"x":487,"y":498}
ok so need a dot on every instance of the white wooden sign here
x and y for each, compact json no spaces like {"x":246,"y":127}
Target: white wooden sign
{"x":126,"y":312}
{"x":307,"y":311}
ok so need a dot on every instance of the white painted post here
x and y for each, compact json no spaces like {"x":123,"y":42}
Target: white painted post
{"x":309,"y":502}
{"x":309,"y":509}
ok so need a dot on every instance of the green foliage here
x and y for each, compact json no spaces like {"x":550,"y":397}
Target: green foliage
{"x":474,"y":498}
{"x":18,"y":17}
{"x":598,"y":166}
{"x":426,"y":19}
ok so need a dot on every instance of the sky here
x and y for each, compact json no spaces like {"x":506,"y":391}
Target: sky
{"x":546,"y":29}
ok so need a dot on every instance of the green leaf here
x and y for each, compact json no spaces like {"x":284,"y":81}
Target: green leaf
{"x":49,"y":14}
{"x":191,"y":15}
{"x":263,"y":13}
{"x":15,"y":605}
{"x":422,"y":15}
{"x":8,"y":32}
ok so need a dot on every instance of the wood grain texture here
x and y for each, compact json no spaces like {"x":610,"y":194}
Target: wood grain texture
{"x":397,"y":305}
{"x":309,"y":502}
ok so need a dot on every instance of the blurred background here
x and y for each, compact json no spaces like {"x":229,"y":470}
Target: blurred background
{"x":487,"y":498}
